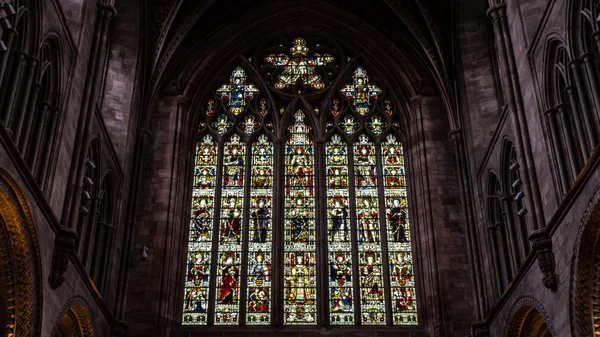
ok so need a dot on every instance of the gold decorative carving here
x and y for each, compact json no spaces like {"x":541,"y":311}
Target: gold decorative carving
{"x":584,"y":277}
{"x":528,"y":319}
{"x":19,"y":261}
{"x":75,"y":319}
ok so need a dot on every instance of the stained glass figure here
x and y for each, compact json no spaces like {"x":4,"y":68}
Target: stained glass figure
{"x":369,"y":243}
{"x":404,"y":307}
{"x":361,"y":91}
{"x":341,"y":304}
{"x":376,"y":124}
{"x":200,"y":241}
{"x":249,"y":125}
{"x":237,"y":91}
{"x":349,"y":125}
{"x":299,"y":242}
{"x":299,"y":66}
{"x":230,"y":233}
{"x":222,"y":124}
{"x":258,"y":309}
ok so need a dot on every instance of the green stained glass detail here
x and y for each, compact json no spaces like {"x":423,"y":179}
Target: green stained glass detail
{"x":222,"y":124}
{"x":376,"y":124}
{"x":349,"y":125}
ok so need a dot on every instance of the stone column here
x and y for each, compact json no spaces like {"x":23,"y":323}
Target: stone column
{"x":568,"y":136}
{"x":558,"y":151}
{"x":586,"y":110}
{"x":31,"y":70}
{"x":511,"y":232}
{"x":581,"y":141}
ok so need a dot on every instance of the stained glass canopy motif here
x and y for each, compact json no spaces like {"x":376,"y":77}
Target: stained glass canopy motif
{"x":262,"y":167}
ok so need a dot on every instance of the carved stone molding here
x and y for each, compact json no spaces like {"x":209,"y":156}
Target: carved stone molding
{"x":20,"y":261}
{"x":583,"y":271}
{"x":520,"y":311}
{"x":541,"y":244}
{"x":78,"y":318}
{"x":63,"y":245}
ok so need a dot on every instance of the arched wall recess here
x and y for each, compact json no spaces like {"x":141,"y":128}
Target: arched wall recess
{"x":75,"y":320}
{"x":20,"y":277}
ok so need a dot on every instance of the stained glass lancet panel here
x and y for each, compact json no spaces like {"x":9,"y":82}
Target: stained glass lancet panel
{"x":369,"y":236}
{"x":338,"y":233}
{"x":299,"y":232}
{"x":258,"y":310}
{"x":200,"y":240}
{"x":227,"y":297}
{"x":404,"y":308}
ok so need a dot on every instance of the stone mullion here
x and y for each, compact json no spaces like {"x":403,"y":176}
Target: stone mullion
{"x":44,"y":165}
{"x":8,"y":36}
{"x":495,"y":257}
{"x":31,"y":105}
{"x":570,"y":144}
{"x":31,"y":70}
{"x":383,"y":235}
{"x":558,"y":151}
{"x":278,"y":230}
{"x":511,"y":231}
{"x":506,"y":256}
{"x":214,"y":258}
{"x":245,"y":234}
{"x":581,"y":141}
{"x":88,"y":248}
{"x":13,"y":86}
{"x":95,"y":259}
{"x":416,"y":228}
{"x":592,"y":76}
{"x":586,"y":111}
{"x":37,"y":135}
{"x":354,"y":236}
{"x":107,"y":240}
{"x":321,"y":242}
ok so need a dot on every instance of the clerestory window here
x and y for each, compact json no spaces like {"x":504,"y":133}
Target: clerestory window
{"x":299,"y":210}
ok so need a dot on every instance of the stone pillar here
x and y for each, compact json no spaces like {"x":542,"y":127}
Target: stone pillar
{"x":567,"y":132}
{"x":586,"y":111}
{"x":581,"y":140}
{"x":558,"y":151}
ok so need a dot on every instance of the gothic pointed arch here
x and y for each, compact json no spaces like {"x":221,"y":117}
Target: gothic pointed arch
{"x":299,"y":203}
{"x":20,"y":268}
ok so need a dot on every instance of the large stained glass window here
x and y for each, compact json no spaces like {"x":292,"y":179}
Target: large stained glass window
{"x":299,"y":236}
{"x":404,"y":307}
{"x":291,"y":206}
{"x":200,"y":239}
{"x":258,"y":307}
{"x":369,"y":235}
{"x":339,"y":233}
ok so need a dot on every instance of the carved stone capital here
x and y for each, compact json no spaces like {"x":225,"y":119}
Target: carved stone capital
{"x":107,"y":10}
{"x":119,"y":329}
{"x":456,"y":134}
{"x":415,"y":102}
{"x":63,"y":245}
{"x":480,"y":329}
{"x":541,"y":245}
{"x":182,"y":100}
{"x":497,"y":9}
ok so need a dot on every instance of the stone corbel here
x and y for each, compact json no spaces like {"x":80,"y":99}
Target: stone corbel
{"x":119,"y":329}
{"x":480,"y":329}
{"x":542,"y":247}
{"x":63,"y":245}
